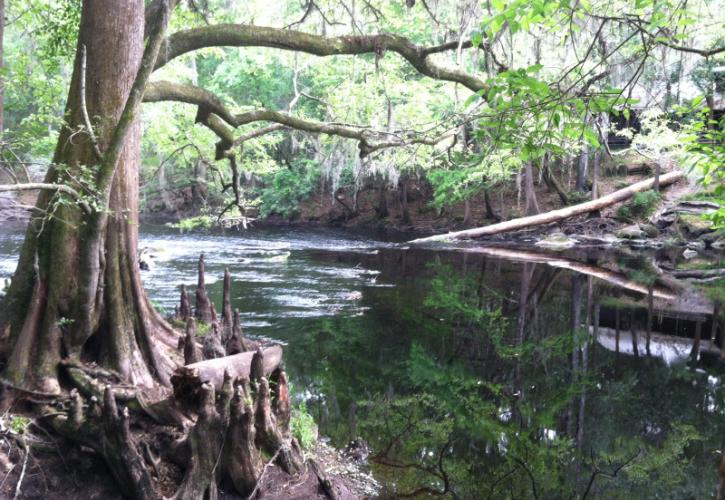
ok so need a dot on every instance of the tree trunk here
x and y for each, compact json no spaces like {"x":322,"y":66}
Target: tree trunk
{"x":2,"y":64}
{"x":596,"y":169}
{"x":199,"y":188}
{"x":404,"y":202}
{"x":490,"y":212}
{"x":532,"y":206}
{"x":658,"y":171}
{"x":551,"y":181}
{"x":467,"y":215}
{"x":77,"y":287}
{"x":382,"y":210}
{"x":582,"y":169}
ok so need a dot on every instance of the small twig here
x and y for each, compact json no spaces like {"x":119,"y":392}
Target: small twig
{"x":2,"y":483}
{"x":84,"y":109}
{"x":261,"y":476}
{"x":22,"y":471}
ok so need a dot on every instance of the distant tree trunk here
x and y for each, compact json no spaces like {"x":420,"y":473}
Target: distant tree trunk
{"x":633,"y":333}
{"x":199,"y":188}
{"x":582,"y":169}
{"x":616,"y":330}
{"x":650,"y":318}
{"x":695,"y":351}
{"x":550,"y":180}
{"x":713,"y":327}
{"x":382,"y":210}
{"x":404,"y":201}
{"x":596,"y":168}
{"x":490,"y":212}
{"x":164,"y":190}
{"x":467,"y":216}
{"x":532,"y":206}
{"x":77,"y":288}
{"x":2,"y":65}
{"x":658,"y":171}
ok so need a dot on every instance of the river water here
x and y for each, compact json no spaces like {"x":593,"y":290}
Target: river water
{"x":479,"y":372}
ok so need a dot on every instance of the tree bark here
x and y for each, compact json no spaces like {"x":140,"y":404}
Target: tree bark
{"x":490,"y":212}
{"x":532,"y":206}
{"x":199,"y":188}
{"x":190,"y":377}
{"x":467,"y":215}
{"x":582,"y":169}
{"x":2,"y":65}
{"x":551,"y":182}
{"x":405,"y":213}
{"x":245,"y":35}
{"x":77,"y":288}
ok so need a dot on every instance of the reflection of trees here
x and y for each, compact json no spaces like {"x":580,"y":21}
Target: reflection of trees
{"x":480,"y":393}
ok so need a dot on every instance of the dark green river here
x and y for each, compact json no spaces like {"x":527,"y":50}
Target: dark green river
{"x":479,"y":372}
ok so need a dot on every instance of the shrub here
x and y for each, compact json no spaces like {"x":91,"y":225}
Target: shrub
{"x":286,"y":188}
{"x":641,"y":205}
{"x":303,"y":426}
{"x":191,"y":223}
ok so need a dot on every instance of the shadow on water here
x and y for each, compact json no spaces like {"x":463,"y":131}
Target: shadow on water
{"x":483,"y":372}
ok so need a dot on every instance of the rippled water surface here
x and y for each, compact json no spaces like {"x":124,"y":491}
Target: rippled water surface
{"x":479,"y":372}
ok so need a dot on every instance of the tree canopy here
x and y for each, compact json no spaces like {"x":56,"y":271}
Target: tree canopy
{"x":325,"y":92}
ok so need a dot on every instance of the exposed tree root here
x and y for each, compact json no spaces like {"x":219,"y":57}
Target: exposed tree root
{"x":218,"y":426}
{"x":230,"y":433}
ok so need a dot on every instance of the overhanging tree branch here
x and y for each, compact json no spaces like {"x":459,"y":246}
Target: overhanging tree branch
{"x":213,"y":114}
{"x":239,"y":35}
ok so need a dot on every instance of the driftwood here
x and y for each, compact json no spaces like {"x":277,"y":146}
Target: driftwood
{"x":188,"y":378}
{"x":555,"y":215}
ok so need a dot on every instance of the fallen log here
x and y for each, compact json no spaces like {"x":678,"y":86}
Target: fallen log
{"x":187,"y":379}
{"x":555,"y":215}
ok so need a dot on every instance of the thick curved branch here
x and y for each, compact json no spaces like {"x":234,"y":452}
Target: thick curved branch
{"x":239,"y":35}
{"x":213,"y":114}
{"x":158,"y":91}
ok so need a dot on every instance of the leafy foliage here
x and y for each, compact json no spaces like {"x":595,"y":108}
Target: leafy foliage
{"x":641,"y":205}
{"x":705,"y":151}
{"x":287,"y":186}
{"x":303,"y":426}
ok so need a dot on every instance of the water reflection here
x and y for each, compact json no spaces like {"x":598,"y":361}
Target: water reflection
{"x":487,"y":373}
{"x":478,"y":377}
